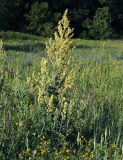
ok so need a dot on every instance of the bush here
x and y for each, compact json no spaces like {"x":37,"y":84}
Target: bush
{"x":101,"y":27}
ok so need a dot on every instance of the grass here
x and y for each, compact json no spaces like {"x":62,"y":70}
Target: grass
{"x":95,"y":129}
{"x":28,"y":53}
{"x":84,"y":48}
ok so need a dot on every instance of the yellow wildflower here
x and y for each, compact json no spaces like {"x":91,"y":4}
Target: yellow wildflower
{"x":68,"y":150}
{"x":66,"y":158}
{"x":43,"y":151}
{"x":28,"y":150}
{"x":114,"y":146}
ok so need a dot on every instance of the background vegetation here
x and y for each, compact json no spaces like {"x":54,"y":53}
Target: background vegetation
{"x":90,"y":18}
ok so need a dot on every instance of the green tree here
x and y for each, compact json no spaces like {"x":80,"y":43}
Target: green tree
{"x":39,"y":19}
{"x":102,"y":23}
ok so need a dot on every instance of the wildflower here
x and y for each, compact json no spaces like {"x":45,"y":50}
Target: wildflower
{"x":56,"y":79}
{"x":114,"y":146}
{"x":66,"y":158}
{"x":51,"y":104}
{"x":91,"y":155}
{"x":20,"y":155}
{"x":74,"y":151}
{"x":28,"y":150}
{"x":85,"y":155}
{"x":20,"y":123}
{"x":43,"y":151}
{"x":68,"y":150}
{"x":34,"y":151}
{"x":34,"y":134}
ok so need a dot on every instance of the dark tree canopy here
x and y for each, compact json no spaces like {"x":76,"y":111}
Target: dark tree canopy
{"x":90,"y":18}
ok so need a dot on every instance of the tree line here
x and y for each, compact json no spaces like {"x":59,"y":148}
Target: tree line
{"x":90,"y":18}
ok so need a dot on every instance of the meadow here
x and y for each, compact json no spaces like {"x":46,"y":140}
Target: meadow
{"x":63,"y":108}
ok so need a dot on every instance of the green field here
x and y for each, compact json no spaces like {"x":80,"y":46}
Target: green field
{"x":93,"y":130}
{"x":26,"y":52}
